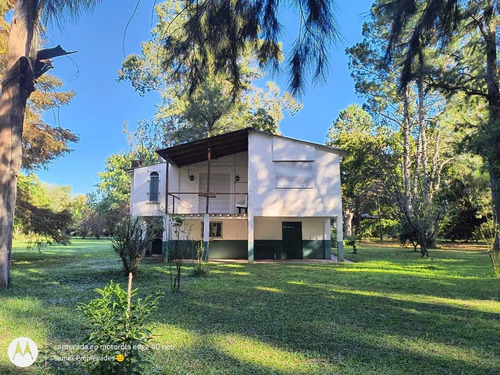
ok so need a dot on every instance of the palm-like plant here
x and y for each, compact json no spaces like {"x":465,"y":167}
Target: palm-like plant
{"x":25,"y":62}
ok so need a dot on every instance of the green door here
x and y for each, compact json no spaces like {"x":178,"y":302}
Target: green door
{"x":292,"y":240}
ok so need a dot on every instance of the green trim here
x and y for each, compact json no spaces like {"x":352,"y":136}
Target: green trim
{"x":223,"y":249}
{"x":314,"y":249}
{"x":340,"y":251}
{"x":164,"y":254}
{"x":328,"y":249}
{"x":311,"y":249}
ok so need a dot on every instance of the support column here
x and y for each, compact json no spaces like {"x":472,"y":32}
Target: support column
{"x":250,"y":231}
{"x":340,"y":238}
{"x":327,"y":240}
{"x":166,"y":230}
{"x":206,"y":236}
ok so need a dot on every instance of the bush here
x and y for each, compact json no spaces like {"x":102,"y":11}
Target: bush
{"x":200,"y":269}
{"x":118,"y":327}
{"x":352,"y":242}
{"x":131,"y":239}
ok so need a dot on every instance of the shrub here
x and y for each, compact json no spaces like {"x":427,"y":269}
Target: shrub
{"x":131,"y":239}
{"x":118,"y":327}
{"x":200,"y":268}
{"x":351,"y":241}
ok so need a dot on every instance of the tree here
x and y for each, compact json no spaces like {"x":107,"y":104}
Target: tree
{"x":43,"y":212}
{"x":354,"y":132}
{"x":25,"y":63}
{"x":184,"y":113}
{"x":222,"y":30}
{"x":466,"y":32}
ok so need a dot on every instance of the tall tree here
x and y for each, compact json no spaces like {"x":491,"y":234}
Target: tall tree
{"x":185,"y":114}
{"x":221,"y":30}
{"x":415,"y":163}
{"x":355,"y":132}
{"x":25,"y":63}
{"x":459,"y":29}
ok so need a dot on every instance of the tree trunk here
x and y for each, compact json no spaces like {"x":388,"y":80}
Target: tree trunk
{"x":348,"y":216}
{"x":17,"y":85}
{"x":406,"y":151}
{"x":492,"y":153}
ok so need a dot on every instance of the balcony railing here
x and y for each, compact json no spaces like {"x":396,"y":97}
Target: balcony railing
{"x":196,"y":203}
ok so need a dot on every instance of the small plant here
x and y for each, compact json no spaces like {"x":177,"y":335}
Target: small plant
{"x":118,"y":328}
{"x":182,"y":248}
{"x":200,"y":269}
{"x":351,"y":241}
{"x":131,"y":240}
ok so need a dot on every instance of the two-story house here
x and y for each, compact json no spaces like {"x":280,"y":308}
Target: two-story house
{"x":247,"y":195}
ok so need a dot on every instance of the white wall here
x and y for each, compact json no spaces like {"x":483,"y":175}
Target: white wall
{"x":234,"y":165}
{"x":232,"y":229}
{"x":139,"y":200}
{"x":265,"y":199}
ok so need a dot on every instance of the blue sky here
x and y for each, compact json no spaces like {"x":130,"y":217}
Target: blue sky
{"x":102,"y":105}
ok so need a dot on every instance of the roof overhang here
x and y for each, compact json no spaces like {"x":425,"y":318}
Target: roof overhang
{"x":197,"y":151}
{"x":222,"y":145}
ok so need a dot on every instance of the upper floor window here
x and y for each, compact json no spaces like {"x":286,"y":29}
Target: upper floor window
{"x":154,"y":186}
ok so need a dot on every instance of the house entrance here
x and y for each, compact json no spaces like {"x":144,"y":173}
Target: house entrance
{"x":292,"y":240}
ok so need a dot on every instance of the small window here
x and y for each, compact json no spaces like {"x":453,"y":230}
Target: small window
{"x":154,"y":185}
{"x":215,"y":229}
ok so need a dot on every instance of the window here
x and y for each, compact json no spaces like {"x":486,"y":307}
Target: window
{"x":154,"y":185}
{"x":294,"y":175}
{"x":215,"y":229}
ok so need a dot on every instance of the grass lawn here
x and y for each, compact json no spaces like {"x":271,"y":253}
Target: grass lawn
{"x":390,"y":313}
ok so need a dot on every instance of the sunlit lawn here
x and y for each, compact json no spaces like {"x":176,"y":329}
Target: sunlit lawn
{"x":389,"y":313}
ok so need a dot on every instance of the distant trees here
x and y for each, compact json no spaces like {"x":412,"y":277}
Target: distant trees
{"x":465,"y":34}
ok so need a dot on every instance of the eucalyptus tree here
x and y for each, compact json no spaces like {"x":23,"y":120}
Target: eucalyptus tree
{"x":422,"y":143}
{"x":465,"y":32}
{"x":25,"y":63}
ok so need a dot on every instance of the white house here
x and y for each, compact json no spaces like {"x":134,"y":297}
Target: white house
{"x":246,"y":195}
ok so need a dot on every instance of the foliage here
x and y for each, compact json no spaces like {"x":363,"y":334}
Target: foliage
{"x":42,"y":143}
{"x":200,"y":268}
{"x":218,"y":34}
{"x":408,"y":234}
{"x":117,"y":320}
{"x":351,"y":241}
{"x":361,"y":170}
{"x":186,"y":114}
{"x":131,"y":239}
{"x":466,"y":33}
{"x":181,"y":249}
{"x":43,"y":212}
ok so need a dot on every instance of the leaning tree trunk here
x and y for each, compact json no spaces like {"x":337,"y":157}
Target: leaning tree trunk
{"x":492,"y":153}
{"x":17,"y":85}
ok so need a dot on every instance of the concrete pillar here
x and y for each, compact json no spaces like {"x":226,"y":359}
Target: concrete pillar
{"x":340,"y":238}
{"x":206,"y":236}
{"x":166,"y":230}
{"x":327,"y":240}
{"x":250,"y":222}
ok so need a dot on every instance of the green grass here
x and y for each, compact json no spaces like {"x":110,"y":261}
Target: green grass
{"x":390,"y":313}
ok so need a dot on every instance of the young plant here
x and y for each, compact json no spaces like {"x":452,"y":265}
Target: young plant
{"x":200,"y":269}
{"x":131,"y":239}
{"x":181,"y":248}
{"x":118,"y":328}
{"x":351,"y":241}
